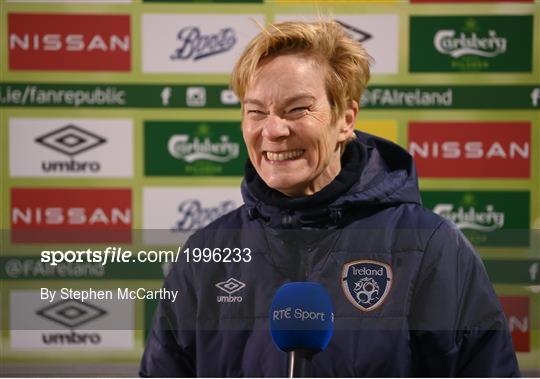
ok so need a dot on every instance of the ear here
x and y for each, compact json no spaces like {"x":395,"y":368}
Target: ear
{"x":348,"y":122}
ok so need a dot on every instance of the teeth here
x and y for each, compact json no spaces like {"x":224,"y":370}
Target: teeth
{"x":291,"y":154}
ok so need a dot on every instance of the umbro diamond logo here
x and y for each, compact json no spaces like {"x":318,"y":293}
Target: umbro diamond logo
{"x":70,"y":140}
{"x":230,"y":286}
{"x":71,"y":313}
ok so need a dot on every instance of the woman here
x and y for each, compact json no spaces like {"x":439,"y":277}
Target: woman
{"x":327,"y":204}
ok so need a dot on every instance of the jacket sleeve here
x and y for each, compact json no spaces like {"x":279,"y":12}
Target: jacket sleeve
{"x":170,"y":347}
{"x":457,"y":325}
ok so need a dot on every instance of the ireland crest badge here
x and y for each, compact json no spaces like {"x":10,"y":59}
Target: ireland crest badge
{"x":366,"y":283}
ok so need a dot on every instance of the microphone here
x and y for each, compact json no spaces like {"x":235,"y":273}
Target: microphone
{"x":301,"y":324}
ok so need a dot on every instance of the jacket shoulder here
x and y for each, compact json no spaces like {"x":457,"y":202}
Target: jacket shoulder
{"x":419,"y":216}
{"x":401,"y":227}
{"x":233,"y":219}
{"x":220,"y":228}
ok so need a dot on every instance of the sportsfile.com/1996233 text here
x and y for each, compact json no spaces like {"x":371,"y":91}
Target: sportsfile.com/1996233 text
{"x":119,"y":255}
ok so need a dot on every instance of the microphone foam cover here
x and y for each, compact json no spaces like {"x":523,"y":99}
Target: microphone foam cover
{"x":301,"y":317}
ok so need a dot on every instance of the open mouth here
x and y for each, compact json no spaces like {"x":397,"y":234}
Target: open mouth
{"x":283,"y":155}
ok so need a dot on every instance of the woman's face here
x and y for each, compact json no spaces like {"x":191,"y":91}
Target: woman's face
{"x":287,"y":126}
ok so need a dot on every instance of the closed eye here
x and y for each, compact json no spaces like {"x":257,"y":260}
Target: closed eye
{"x":297,"y":112}
{"x":255,"y":111}
{"x":255,"y":114}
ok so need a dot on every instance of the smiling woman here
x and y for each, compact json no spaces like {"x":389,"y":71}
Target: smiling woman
{"x":327,"y":204}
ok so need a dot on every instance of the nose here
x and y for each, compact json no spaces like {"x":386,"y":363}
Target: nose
{"x":275,"y":128}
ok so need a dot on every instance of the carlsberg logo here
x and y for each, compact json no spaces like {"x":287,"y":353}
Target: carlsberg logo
{"x":181,"y":147}
{"x":449,"y":43}
{"x":486,"y":221}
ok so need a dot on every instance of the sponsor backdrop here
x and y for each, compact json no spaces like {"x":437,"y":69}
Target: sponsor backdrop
{"x":118,"y":130}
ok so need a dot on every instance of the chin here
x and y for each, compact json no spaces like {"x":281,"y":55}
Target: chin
{"x":284,"y":186}
{"x":280,"y":185}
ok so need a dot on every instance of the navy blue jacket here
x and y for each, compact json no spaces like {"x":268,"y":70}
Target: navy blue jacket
{"x":438,"y":317}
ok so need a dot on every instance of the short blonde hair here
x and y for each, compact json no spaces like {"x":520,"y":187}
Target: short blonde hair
{"x":345,"y":60}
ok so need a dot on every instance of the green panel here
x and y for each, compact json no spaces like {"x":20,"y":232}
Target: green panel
{"x":452,"y":97}
{"x":111,"y":95}
{"x":487,"y":218}
{"x":193,"y":148}
{"x":31,"y":268}
{"x":513,"y":272}
{"x":219,"y":96}
{"x":28,"y":268}
{"x":150,"y":307}
{"x":471,"y":44}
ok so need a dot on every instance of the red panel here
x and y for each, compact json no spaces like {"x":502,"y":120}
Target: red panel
{"x":471,"y":149}
{"x":71,"y":215}
{"x":69,"y":42}
{"x":516,"y":309}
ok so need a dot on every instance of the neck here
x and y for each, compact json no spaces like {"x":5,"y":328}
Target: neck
{"x":316,"y":185}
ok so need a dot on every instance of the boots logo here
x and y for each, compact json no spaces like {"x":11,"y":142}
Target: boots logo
{"x":191,"y":43}
{"x":71,"y":314}
{"x":195,"y":45}
{"x":366,"y":283}
{"x":180,"y":147}
{"x":483,"y":221}
{"x":194,"y":216}
{"x":450,"y":43}
{"x":171,"y":214}
{"x":230,"y":287}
